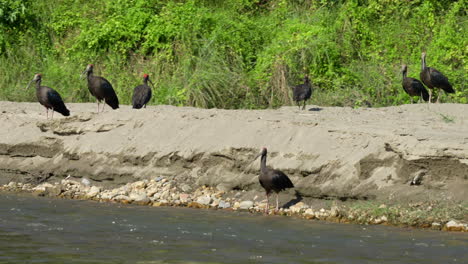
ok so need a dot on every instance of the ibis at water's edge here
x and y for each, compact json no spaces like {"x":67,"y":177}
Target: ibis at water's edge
{"x":433,"y":78}
{"x":101,"y":88}
{"x":142,"y":93}
{"x":413,"y":87}
{"x":272,"y":180}
{"x":49,"y":98}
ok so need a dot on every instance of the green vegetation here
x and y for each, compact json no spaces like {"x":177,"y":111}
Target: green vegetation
{"x":233,"y":53}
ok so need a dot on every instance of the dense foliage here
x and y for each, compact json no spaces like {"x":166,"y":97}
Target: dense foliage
{"x":233,"y":53}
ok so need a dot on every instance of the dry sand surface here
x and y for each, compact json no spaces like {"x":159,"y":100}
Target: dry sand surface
{"x":332,"y":152}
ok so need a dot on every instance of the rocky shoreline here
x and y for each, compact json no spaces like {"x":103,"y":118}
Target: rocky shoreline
{"x":349,"y":165}
{"x":162,"y":191}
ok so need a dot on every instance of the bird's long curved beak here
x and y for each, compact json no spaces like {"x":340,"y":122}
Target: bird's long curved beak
{"x":29,"y":84}
{"x":152,"y":84}
{"x":256,"y":157}
{"x":83,"y":75}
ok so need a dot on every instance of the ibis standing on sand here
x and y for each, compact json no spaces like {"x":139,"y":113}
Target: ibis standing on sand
{"x":413,"y":87}
{"x":142,"y":93}
{"x":302,"y":92}
{"x":272,"y":180}
{"x":433,"y":78}
{"x":48,"y":97}
{"x":101,"y":89}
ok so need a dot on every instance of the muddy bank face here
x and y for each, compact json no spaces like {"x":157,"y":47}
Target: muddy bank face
{"x":335,"y":153}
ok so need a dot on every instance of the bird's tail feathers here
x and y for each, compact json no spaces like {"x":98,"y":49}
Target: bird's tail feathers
{"x":425,"y":95}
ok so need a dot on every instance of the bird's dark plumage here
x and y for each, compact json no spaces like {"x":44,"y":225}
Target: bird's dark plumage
{"x":271,"y":179}
{"x":49,"y":98}
{"x":142,"y":93}
{"x":101,"y":88}
{"x":432,"y":78}
{"x":413,"y":87}
{"x":302,"y":92}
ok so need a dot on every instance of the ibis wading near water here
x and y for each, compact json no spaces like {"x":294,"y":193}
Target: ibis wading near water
{"x":432,"y":78}
{"x":302,"y":92}
{"x":413,"y":87}
{"x":48,"y":97}
{"x":101,"y":88}
{"x":272,"y":180}
{"x":142,"y":93}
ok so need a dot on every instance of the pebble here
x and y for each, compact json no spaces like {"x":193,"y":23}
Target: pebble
{"x":93,"y":191}
{"x":85,"y":181}
{"x":204,"y":200}
{"x":298,"y":207}
{"x":223,"y":205}
{"x":139,"y":197}
{"x":184,"y":198}
{"x":453,"y":225}
{"x":245,"y":205}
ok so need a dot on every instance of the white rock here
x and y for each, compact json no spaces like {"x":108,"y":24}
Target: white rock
{"x":140,"y":197}
{"x":222,"y":204}
{"x":139,"y":184}
{"x":121,"y":197}
{"x":93,"y":191}
{"x":43,"y":186}
{"x":245,"y":205}
{"x":151,"y":191}
{"x":297,"y":208}
{"x":453,"y":225}
{"x":309,"y":212}
{"x":85,"y":181}
{"x":205,"y":200}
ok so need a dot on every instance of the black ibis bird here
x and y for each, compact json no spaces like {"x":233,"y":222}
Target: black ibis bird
{"x":101,"y":89}
{"x":142,"y":93}
{"x":302,"y":92}
{"x":48,"y":97}
{"x":272,"y":180}
{"x":413,"y":87}
{"x":432,"y":78}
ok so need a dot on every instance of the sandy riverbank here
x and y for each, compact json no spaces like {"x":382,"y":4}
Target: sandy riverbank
{"x":336,"y":157}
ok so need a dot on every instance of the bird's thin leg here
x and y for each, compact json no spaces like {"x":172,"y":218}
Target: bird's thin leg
{"x":438,"y":95}
{"x":430,"y":95}
{"x":299,"y":105}
{"x":52,"y":114}
{"x":267,"y":209}
{"x":47,"y":112}
{"x":277,"y":203}
{"x":98,"y":106}
{"x":303,"y":107}
{"x":411,"y":98}
{"x":103,"y":105}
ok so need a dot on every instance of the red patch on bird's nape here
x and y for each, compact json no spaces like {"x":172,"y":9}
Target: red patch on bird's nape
{"x":145,"y":75}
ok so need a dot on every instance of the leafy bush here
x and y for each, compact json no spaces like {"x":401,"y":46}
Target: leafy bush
{"x":233,"y":53}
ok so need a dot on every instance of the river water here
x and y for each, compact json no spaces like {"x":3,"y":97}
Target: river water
{"x":44,"y":230}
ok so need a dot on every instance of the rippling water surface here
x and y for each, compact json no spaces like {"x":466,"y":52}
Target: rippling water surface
{"x":43,"y":230}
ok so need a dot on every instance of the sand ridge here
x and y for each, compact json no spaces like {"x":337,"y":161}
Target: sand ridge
{"x":365,"y":153}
